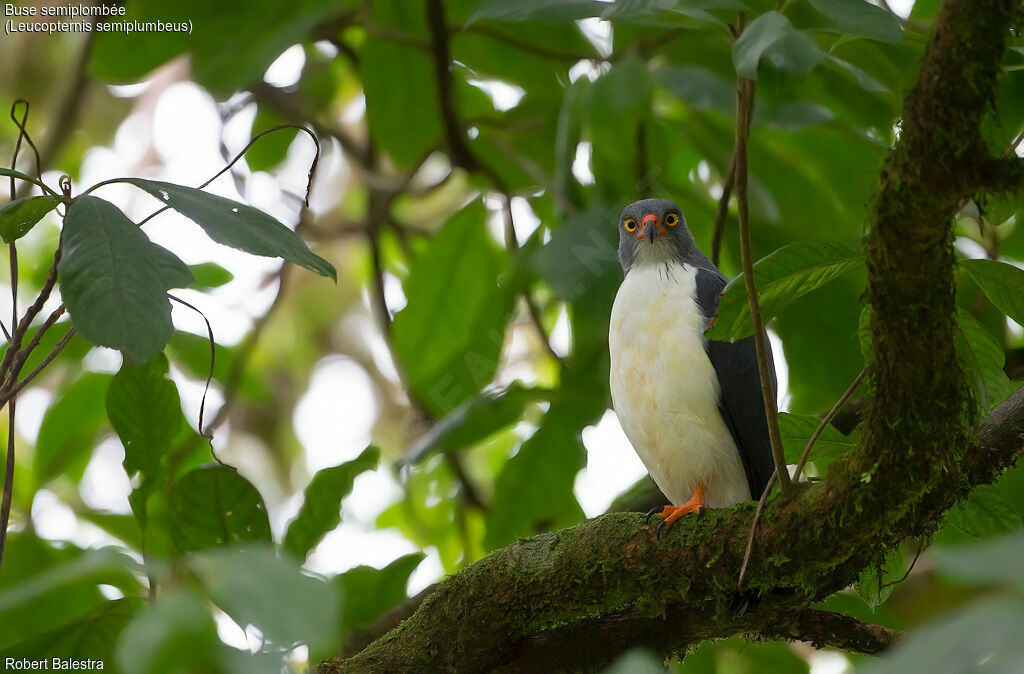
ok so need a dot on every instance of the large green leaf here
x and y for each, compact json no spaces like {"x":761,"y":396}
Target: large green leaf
{"x":771,"y":38}
{"x":781,"y":277}
{"x":982,"y":359}
{"x":861,"y":18}
{"x":70,"y":428}
{"x":449,"y":337}
{"x":114,"y":280}
{"x":986,"y":513}
{"x":21,"y":215}
{"x":402,"y":107}
{"x":257,"y":587}
{"x":987,"y":636}
{"x":1002,"y":283}
{"x":321,"y":507}
{"x":237,"y":225}
{"x":368,"y":592}
{"x":990,"y":562}
{"x":214,"y":506}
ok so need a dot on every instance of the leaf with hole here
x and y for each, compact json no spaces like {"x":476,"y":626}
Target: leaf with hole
{"x":237,"y":225}
{"x":781,"y":277}
{"x":214,"y":506}
{"x":18,"y":217}
{"x":321,"y":505}
{"x":114,"y":280}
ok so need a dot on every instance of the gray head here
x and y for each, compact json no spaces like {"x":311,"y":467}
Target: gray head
{"x":653,"y":231}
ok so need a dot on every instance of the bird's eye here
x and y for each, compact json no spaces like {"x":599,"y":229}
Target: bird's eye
{"x":629,"y":224}
{"x":671,"y":219}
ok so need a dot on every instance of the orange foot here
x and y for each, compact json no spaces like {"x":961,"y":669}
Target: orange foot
{"x":670,"y":513}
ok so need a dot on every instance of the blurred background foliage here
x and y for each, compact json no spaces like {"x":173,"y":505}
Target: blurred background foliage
{"x":469,"y":206}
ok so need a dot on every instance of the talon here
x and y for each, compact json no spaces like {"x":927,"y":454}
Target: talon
{"x":671,"y":513}
{"x":651,"y":513}
{"x":661,"y":528}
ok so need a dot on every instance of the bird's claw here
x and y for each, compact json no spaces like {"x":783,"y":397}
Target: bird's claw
{"x":651,"y":513}
{"x":657,"y":532}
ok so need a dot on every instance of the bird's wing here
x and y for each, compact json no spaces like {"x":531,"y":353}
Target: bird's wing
{"x":740,"y":402}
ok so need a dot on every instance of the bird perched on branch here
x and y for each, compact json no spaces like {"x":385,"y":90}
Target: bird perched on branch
{"x":691,"y":407}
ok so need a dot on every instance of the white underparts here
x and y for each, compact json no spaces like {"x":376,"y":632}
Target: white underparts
{"x":663,"y":385}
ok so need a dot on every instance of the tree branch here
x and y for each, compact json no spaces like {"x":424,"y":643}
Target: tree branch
{"x":917,"y":442}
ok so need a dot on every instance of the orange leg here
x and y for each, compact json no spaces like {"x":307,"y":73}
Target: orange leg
{"x":670,"y":513}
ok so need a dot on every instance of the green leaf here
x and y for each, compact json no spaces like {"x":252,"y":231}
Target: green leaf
{"x":1002,"y":283}
{"x":11,"y":173}
{"x":781,"y":277}
{"x":876,"y":583}
{"x":176,"y":634}
{"x":21,"y":215}
{"x":114,"y":280}
{"x":473,"y":421}
{"x":986,"y":513}
{"x":256,"y":587}
{"x":38,"y":576}
{"x":214,"y":506}
{"x":271,"y":149}
{"x":985,"y":636}
{"x":232,"y":43}
{"x":402,"y":108}
{"x":449,"y":336}
{"x":369,"y":593}
{"x":982,"y":358}
{"x":237,"y":225}
{"x":797,"y":429}
{"x":144,"y":408}
{"x":772,"y":38}
{"x":866,"y":81}
{"x":92,"y":637}
{"x":553,"y":11}
{"x":861,"y":18}
{"x":535,"y":486}
{"x":321,"y":506}
{"x":991,"y":562}
{"x":209,"y":275}
{"x":698,"y":87}
{"x":70,"y":428}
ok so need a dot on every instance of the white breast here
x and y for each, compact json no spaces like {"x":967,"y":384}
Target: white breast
{"x":664,"y":388}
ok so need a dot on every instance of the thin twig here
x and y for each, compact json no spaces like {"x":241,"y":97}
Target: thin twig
{"x":5,"y":508}
{"x":538,"y":49}
{"x":753,"y":526}
{"x":744,"y":108}
{"x":723,"y":210}
{"x":8,"y":394}
{"x":906,"y":575}
{"x":213,"y":360}
{"x":825,"y":422}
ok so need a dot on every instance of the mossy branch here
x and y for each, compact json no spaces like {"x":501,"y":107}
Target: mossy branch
{"x":918,"y":454}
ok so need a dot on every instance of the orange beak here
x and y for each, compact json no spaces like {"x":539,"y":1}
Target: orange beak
{"x":650,"y":228}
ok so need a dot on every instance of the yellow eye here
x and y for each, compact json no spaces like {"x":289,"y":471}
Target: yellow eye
{"x":671,"y":220}
{"x":630,"y":225}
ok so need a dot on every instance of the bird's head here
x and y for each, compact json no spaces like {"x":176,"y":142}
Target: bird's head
{"x":653,"y":231}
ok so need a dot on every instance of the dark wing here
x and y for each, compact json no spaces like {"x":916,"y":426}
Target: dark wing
{"x":740,"y":401}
